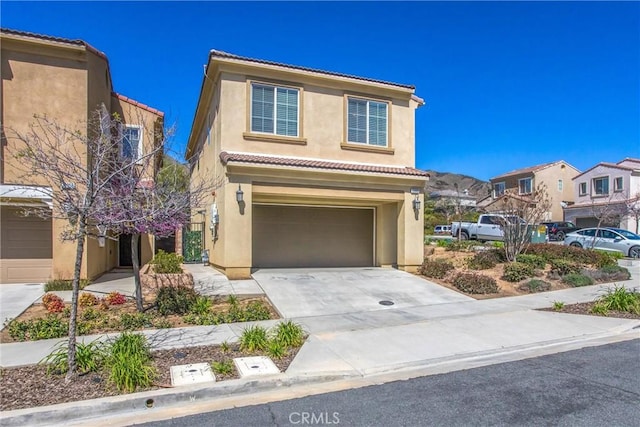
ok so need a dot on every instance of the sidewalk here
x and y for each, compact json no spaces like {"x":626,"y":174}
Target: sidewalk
{"x":349,"y":345}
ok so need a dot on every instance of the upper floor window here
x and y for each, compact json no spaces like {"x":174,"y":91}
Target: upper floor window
{"x":131,"y":143}
{"x":524,"y":186}
{"x":582,"y":188}
{"x":618,"y":184}
{"x":498,"y":189}
{"x":560,"y":185}
{"x":601,"y":186}
{"x":367,"y":122}
{"x":274,"y":110}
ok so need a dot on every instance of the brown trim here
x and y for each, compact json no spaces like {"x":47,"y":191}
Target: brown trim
{"x":366,"y":147}
{"x":265,"y":137}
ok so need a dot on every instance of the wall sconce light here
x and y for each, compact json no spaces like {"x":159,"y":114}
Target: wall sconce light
{"x":416,"y":203}
{"x":239,"y":195}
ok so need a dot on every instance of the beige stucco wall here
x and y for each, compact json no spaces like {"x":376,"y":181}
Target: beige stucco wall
{"x":323,"y":134}
{"x":549,"y":177}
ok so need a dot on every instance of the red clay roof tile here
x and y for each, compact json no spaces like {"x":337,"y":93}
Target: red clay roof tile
{"x":227,"y":157}
{"x":137,"y":104}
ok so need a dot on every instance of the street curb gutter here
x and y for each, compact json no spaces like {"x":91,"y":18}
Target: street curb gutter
{"x":163,"y":398}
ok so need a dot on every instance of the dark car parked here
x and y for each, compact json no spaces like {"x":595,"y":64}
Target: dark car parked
{"x":557,"y":230}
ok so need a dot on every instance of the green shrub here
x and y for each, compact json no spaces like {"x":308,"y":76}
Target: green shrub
{"x":205,"y":319}
{"x":460,"y":246}
{"x":129,"y":321}
{"x":89,"y":357}
{"x":64,"y":285}
{"x":517,"y":271}
{"x":621,"y":299}
{"x":42,"y":328}
{"x":289,"y":333}
{"x":167,"y":263}
{"x":599,"y":308}
{"x":442,"y":243}
{"x":224,"y":367}
{"x":129,"y":362}
{"x":562,"y":267}
{"x":607,"y":258}
{"x":276,"y":349}
{"x":483,"y":260}
{"x":577,"y":280}
{"x":472,"y":283}
{"x":254,"y":338}
{"x":175,"y":300}
{"x":535,"y":285}
{"x":571,"y":254}
{"x":225,"y":347}
{"x":202,"y":305}
{"x":436,"y":269}
{"x":256,"y":310}
{"x":536,"y":261}
{"x":161,"y":323}
{"x":558,"y":305}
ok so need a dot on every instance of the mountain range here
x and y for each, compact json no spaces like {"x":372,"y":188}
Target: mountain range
{"x":440,"y":181}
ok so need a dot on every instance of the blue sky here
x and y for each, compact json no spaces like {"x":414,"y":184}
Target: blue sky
{"x":507,"y":84}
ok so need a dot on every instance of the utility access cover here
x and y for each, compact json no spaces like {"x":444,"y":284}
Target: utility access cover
{"x":191,"y":374}
{"x":257,"y":365}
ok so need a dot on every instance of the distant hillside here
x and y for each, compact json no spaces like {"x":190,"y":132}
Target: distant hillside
{"x":440,"y":181}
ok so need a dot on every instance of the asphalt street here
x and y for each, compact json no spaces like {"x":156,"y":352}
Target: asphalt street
{"x":594,"y":386}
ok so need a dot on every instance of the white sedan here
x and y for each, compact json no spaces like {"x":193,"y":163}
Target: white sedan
{"x":606,"y":238}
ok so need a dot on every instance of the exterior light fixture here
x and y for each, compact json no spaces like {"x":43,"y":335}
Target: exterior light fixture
{"x":239,"y":195}
{"x":416,"y":203}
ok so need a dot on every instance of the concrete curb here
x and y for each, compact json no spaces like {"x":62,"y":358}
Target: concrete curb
{"x":142,"y":402}
{"x":136,"y":404}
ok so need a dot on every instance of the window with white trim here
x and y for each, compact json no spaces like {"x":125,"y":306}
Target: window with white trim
{"x":560,"y":185}
{"x":367,"y":122}
{"x":618,"y":184}
{"x":600,"y":186}
{"x":274,"y":110}
{"x":524,"y":186}
{"x":131,"y":142}
{"x":582,"y":188}
{"x":498,"y":189}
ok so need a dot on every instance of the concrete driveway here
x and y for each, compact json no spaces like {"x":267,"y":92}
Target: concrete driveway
{"x":324,"y":291}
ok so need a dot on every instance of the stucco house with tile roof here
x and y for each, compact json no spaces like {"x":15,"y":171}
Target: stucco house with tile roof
{"x":554,"y":176}
{"x":308,"y":168}
{"x":608,"y":191}
{"x":67,"y":80}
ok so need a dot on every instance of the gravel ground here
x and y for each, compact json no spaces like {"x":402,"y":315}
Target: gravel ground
{"x":30,"y":386}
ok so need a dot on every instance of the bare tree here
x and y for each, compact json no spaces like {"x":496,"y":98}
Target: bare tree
{"x":632,"y":210}
{"x":520,"y":215}
{"x":608,"y":212}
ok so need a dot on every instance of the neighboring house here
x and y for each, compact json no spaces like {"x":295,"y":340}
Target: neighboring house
{"x":311,"y":168}
{"x":555,"y":176}
{"x":67,"y":80}
{"x":608,"y":193}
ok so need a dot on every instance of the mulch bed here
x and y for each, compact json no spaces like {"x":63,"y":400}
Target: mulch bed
{"x":585,"y":309}
{"x":30,"y":386}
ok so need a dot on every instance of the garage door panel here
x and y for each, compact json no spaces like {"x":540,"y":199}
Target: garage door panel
{"x":287,"y":236}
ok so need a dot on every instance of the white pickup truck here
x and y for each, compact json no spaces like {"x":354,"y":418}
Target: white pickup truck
{"x":488,"y":227}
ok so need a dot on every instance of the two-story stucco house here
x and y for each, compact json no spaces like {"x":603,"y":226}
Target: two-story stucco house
{"x":66,"y":80}
{"x":308,"y":168}
{"x":555,"y":177}
{"x":607,"y":193}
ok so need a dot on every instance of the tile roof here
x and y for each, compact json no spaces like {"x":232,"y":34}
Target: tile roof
{"x":227,"y":157}
{"x":606,"y":165}
{"x":137,"y":104}
{"x":221,"y":54}
{"x":76,"y":42}
{"x":524,"y":170}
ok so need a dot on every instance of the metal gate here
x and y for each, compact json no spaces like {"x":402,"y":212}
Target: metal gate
{"x":192,"y":242}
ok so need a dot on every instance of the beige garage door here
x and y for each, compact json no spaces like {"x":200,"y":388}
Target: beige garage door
{"x":294,"y":236}
{"x":25,"y":247}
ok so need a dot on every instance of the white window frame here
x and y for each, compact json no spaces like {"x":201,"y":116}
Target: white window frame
{"x":367,"y":130}
{"x":617,"y":188}
{"x":560,"y":185}
{"x":582,"y":189}
{"x":140,"y":140}
{"x":523,"y":180}
{"x":495,"y":191}
{"x":275,"y":87}
{"x":593,"y":186}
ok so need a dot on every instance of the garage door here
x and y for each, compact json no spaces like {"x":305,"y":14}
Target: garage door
{"x":593,"y":222}
{"x":294,"y":236}
{"x":25,"y":247}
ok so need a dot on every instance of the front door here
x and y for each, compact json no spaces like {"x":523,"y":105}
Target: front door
{"x":124,"y":251}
